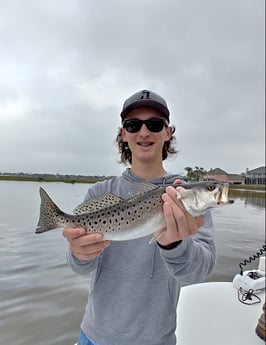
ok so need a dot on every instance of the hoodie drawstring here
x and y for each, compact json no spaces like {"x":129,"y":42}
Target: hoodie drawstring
{"x":152,"y":260}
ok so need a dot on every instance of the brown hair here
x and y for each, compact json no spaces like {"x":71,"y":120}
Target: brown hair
{"x":126,"y":154}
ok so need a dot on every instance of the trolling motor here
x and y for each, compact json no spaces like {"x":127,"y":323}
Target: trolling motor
{"x":252,"y":279}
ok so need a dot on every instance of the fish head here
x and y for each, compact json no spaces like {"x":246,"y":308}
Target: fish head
{"x":200,"y":197}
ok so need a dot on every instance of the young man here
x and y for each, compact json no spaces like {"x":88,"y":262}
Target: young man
{"x":135,"y":285}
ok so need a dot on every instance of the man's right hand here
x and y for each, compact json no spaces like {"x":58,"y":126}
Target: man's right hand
{"x":85,"y":246}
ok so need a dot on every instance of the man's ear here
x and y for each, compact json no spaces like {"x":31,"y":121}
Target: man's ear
{"x":123,"y":135}
{"x":169,"y":132}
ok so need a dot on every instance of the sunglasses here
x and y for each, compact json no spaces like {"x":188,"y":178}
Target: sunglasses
{"x":154,"y":125}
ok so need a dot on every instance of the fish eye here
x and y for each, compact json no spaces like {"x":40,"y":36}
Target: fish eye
{"x":211,"y":187}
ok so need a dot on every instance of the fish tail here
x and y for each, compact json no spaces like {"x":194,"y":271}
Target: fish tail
{"x":49,"y":213}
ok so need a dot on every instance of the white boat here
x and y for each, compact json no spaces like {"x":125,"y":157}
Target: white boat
{"x":210,"y":313}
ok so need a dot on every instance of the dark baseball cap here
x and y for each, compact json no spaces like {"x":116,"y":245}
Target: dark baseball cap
{"x":145,"y":98}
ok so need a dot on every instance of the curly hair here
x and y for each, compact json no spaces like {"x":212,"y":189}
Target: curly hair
{"x":126,"y":154}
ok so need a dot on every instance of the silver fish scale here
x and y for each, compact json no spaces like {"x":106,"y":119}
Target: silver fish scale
{"x":117,"y":217}
{"x":98,"y":203}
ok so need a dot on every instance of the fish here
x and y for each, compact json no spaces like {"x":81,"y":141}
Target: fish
{"x":140,"y":215}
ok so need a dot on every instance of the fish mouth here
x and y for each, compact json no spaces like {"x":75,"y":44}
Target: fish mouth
{"x":222,"y":195}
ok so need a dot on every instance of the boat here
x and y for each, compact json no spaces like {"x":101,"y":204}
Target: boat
{"x":211,"y":313}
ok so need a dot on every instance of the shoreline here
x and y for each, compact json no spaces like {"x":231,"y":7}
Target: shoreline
{"x":234,"y":189}
{"x":51,"y":179}
{"x":77,"y":179}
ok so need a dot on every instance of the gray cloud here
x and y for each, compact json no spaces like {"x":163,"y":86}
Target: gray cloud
{"x":66,"y":68}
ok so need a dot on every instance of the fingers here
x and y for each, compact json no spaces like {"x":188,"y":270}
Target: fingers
{"x":179,"y":223}
{"x":71,"y":233}
{"x":171,"y":234}
{"x":172,"y":193}
{"x":178,"y":181}
{"x":85,"y":246}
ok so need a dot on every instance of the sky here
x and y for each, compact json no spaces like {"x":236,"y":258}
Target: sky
{"x":66,"y":67}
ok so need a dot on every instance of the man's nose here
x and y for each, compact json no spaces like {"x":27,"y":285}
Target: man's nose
{"x":144,"y":130}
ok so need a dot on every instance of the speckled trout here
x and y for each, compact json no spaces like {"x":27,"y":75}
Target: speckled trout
{"x":140,"y":215}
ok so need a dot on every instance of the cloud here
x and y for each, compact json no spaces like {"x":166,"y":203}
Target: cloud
{"x":66,"y":68}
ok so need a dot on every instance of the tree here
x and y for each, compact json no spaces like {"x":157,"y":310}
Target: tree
{"x":190,"y":173}
{"x":196,"y":174}
{"x":199,"y":172}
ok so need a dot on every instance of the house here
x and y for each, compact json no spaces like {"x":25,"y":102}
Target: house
{"x":216,"y":175}
{"x":236,"y":179}
{"x":222,"y":176}
{"x":256,"y":176}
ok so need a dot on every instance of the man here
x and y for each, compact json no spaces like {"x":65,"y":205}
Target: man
{"x":135,"y":285}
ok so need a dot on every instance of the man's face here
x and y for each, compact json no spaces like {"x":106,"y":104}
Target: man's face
{"x":146,"y":145}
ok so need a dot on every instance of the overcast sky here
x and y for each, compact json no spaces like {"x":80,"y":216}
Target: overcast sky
{"x":66,"y":67}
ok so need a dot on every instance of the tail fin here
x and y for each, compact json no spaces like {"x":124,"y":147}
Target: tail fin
{"x":49,"y":213}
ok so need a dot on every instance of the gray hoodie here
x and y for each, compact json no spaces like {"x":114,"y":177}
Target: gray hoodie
{"x":134,"y":285}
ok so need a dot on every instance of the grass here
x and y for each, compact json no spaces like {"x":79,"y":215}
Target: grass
{"x":253,"y":191}
{"x":256,"y":187}
{"x":48,"y":179}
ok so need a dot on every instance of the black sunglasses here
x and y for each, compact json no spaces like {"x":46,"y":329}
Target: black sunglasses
{"x":154,"y":125}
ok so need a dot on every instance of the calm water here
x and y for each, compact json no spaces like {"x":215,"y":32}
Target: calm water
{"x":42,"y":301}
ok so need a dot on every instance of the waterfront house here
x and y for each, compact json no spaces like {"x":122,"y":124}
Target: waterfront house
{"x":220,"y":175}
{"x":256,"y":176}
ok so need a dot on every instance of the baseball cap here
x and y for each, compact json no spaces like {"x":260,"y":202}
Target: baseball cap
{"x":145,"y":98}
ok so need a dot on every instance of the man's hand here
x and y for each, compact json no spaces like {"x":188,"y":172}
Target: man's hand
{"x":85,"y":246}
{"x":179,"y":223}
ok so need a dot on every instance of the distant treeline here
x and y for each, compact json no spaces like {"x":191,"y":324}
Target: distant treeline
{"x":52,"y":178}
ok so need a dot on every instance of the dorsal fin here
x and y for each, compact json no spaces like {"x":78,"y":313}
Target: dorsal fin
{"x":139,"y":188}
{"x":98,"y":203}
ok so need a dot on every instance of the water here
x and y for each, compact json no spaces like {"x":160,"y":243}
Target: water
{"x":42,"y":301}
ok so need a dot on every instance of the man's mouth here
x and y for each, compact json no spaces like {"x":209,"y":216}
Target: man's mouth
{"x":145,"y":144}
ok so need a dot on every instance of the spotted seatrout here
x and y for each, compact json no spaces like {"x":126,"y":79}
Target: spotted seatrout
{"x":140,"y":215}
